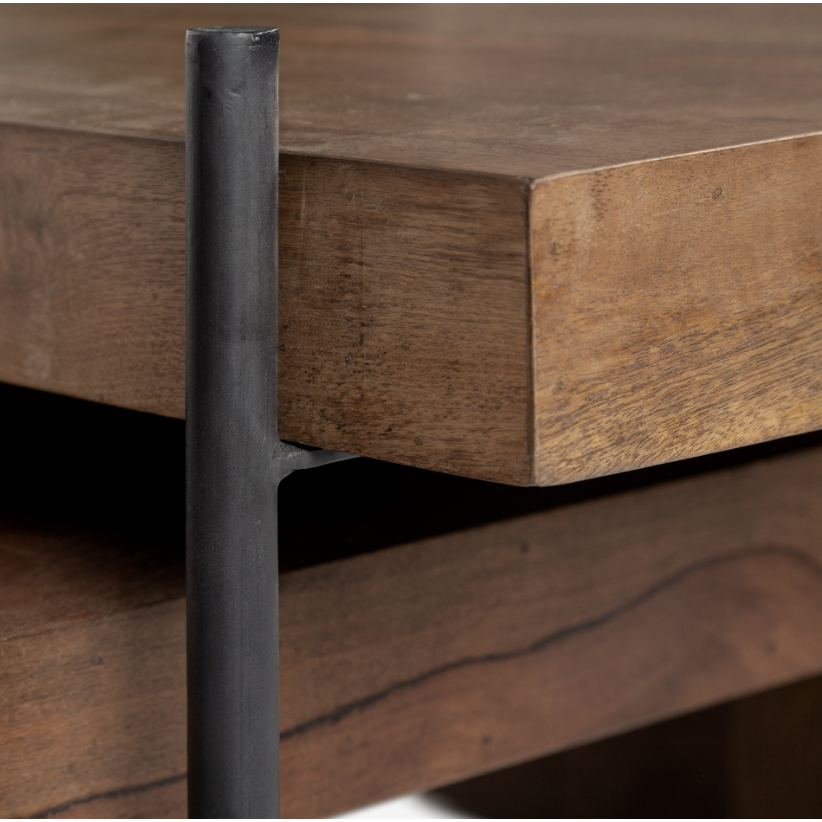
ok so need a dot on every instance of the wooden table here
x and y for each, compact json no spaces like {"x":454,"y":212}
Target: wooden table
{"x":532,"y":245}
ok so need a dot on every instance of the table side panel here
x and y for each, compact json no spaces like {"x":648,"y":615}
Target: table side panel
{"x":404,"y":331}
{"x":92,"y":269}
{"x":677,"y":307}
{"x":404,"y":296}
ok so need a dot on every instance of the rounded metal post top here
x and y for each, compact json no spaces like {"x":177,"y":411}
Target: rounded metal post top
{"x":212,"y":31}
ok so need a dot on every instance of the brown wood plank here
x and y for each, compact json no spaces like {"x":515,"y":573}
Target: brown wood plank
{"x":404,"y":305}
{"x":92,"y":296}
{"x":447,"y":302}
{"x":428,"y":662}
{"x":164,"y":799}
{"x":701,"y":327}
{"x":488,"y":714}
{"x":532,"y":635}
{"x":754,"y":757}
{"x":677,"y":308}
{"x":92,"y":708}
{"x":92,"y":269}
{"x":525,"y":91}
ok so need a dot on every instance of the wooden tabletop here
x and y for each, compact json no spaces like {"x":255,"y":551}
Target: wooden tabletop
{"x":530,"y":244}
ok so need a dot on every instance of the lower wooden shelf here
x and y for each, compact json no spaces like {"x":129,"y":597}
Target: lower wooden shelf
{"x":407,"y":667}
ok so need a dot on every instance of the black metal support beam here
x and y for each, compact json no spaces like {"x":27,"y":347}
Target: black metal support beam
{"x":234,"y":458}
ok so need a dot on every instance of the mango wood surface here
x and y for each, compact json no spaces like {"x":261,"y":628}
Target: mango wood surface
{"x":420,"y":664}
{"x":514,"y":244}
{"x":677,"y":307}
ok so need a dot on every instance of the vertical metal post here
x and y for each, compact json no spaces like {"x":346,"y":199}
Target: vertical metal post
{"x":231,"y":421}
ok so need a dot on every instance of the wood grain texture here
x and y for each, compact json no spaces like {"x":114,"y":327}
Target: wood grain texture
{"x":92,"y":269}
{"x":429,"y":662}
{"x":92,"y":708}
{"x":92,"y":666}
{"x":526,"y":91}
{"x":403,"y":304}
{"x":164,"y":799}
{"x":529,"y":636}
{"x":677,"y":308}
{"x":450,"y":299}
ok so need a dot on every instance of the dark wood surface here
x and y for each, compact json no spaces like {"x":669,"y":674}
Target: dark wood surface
{"x":522,"y":91}
{"x":467,"y":652}
{"x":503,"y":254}
{"x":411,"y":666}
{"x":756,"y":757}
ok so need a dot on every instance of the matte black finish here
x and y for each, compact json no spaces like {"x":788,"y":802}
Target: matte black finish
{"x":231,"y":421}
{"x":234,"y":459}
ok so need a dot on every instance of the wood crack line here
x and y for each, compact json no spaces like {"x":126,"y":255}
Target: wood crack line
{"x":110,"y":795}
{"x":340,"y":713}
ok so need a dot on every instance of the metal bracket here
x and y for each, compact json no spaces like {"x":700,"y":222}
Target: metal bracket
{"x":290,"y":457}
{"x":234,"y":459}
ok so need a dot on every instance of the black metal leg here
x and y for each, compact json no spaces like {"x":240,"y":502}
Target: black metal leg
{"x":231,"y":421}
{"x":234,"y":458}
